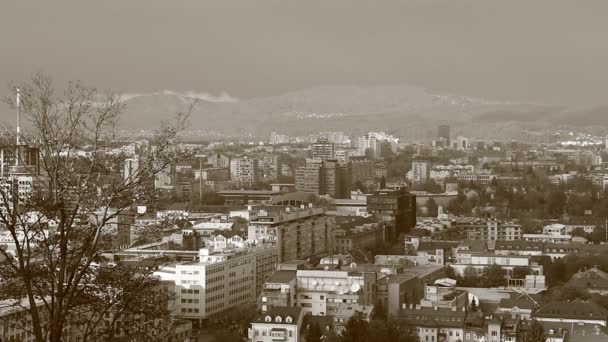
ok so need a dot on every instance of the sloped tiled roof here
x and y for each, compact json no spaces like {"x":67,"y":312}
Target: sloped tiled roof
{"x":429,"y":317}
{"x":576,"y":309}
{"x":281,"y":311}
{"x":591,"y":278}
{"x":522,"y":303}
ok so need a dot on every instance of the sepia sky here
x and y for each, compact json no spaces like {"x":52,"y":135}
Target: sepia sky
{"x":546,"y":51}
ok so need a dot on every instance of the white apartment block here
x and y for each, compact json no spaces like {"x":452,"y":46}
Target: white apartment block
{"x":219,"y":280}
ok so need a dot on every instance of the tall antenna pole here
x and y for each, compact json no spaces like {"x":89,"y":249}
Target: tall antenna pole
{"x":18,"y":115}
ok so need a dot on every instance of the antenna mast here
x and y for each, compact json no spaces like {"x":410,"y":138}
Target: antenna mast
{"x":18,"y":116}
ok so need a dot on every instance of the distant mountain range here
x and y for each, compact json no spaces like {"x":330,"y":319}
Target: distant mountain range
{"x":407,"y":111}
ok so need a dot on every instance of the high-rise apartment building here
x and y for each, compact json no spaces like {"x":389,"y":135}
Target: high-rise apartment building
{"x":325,"y":177}
{"x":323,"y":149}
{"x":270,"y":167}
{"x":298,"y":233}
{"x":396,"y":208}
{"x":245,"y":171}
{"x":420,"y":172}
{"x":131,"y":167}
{"x":362,"y":169}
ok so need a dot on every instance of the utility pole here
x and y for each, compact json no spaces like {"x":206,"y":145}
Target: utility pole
{"x":200,"y":180}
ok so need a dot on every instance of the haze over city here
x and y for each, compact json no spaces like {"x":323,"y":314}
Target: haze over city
{"x":303,"y":171}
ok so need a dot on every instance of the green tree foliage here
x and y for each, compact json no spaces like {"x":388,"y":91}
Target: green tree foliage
{"x":520,"y":272}
{"x":356,"y":328}
{"x":360,"y":186}
{"x":383,"y":183}
{"x":474,"y":305}
{"x":390,"y":330}
{"x":379,"y":311}
{"x":556,"y":202}
{"x":431,"y":207}
{"x":534,"y":332}
{"x":314,"y":333}
{"x":494,"y":276}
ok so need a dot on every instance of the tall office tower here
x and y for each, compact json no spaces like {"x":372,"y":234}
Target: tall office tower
{"x":323,"y":149}
{"x":397,"y":208}
{"x":443,"y":131}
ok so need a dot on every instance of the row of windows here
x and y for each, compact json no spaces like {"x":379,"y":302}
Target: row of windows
{"x":214,"y":298}
{"x":189,"y":291}
{"x":215,"y":279}
{"x":214,"y":307}
{"x":240,"y":281}
{"x":214,"y":288}
{"x":190,"y":272}
{"x":209,"y":271}
{"x":240,"y":299}
{"x":239,"y":290}
{"x":190,"y":300}
{"x":189,"y":310}
{"x":265,"y":333}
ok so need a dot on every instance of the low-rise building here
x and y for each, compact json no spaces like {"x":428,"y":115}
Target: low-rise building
{"x":279,"y":290}
{"x":278,"y":324}
{"x":592,"y":280}
{"x":357,"y":233}
{"x":323,"y":292}
{"x":576,"y":311}
{"x":506,"y":262}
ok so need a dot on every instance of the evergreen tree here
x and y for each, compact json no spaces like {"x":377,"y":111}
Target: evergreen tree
{"x":356,"y":329}
{"x":314,"y":333}
{"x":535,"y":332}
{"x":379,"y":311}
{"x":473,"y":305}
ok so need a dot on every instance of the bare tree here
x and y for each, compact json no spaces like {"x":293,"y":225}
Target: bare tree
{"x":61,"y":190}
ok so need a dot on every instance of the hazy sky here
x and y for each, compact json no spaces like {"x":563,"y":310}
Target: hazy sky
{"x":547,"y":51}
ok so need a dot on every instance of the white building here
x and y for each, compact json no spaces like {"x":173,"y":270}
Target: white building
{"x":278,"y":324}
{"x":324,"y":292}
{"x":219,"y":280}
{"x":506,"y":262}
